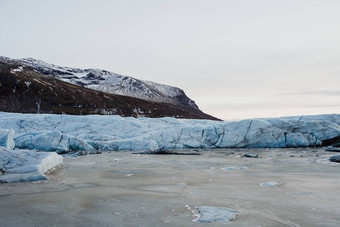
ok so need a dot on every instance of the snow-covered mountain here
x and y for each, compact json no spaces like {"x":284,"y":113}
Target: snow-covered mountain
{"x":24,"y":90}
{"x":110,"y":82}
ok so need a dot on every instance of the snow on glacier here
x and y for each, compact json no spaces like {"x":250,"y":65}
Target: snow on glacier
{"x":62,"y":133}
{"x":26,"y":165}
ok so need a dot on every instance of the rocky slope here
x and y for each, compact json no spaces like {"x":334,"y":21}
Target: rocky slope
{"x":110,"y":82}
{"x":25,"y":90}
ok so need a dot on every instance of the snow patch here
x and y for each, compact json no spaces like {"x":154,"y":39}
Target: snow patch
{"x":19,"y":69}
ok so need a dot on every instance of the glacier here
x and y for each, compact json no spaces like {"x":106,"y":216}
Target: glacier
{"x":31,"y":144}
{"x":66,"y":133}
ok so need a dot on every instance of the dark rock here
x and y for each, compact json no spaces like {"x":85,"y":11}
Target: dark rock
{"x":247,"y":155}
{"x":167,"y":152}
{"x":92,"y":76}
{"x":335,"y":142}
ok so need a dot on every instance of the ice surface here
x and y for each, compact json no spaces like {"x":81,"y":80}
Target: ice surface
{"x":95,"y":190}
{"x":209,"y":214}
{"x":63,"y":133}
{"x":6,"y":138}
{"x":24,"y":165}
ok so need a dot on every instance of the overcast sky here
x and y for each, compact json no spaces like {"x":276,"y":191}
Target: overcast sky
{"x":236,"y":58}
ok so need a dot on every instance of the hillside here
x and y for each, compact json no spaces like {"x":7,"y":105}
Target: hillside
{"x":102,"y":80}
{"x":24,"y":90}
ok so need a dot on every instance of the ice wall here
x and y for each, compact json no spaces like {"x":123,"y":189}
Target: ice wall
{"x":63,"y":133}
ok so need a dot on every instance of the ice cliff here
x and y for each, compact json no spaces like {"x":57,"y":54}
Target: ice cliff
{"x":64,"y":133}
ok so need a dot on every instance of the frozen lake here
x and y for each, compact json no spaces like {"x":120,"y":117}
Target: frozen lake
{"x":282,"y":187}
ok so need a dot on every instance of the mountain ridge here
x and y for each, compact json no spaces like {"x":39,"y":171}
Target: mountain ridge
{"x":103,"y":80}
{"x":24,"y":90}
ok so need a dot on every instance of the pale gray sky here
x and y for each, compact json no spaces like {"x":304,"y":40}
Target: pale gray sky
{"x":235,"y":58}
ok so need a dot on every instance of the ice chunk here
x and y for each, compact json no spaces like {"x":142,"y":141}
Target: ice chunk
{"x":78,"y":144}
{"x":269,"y":184}
{"x":6,"y":138}
{"x":296,"y":139}
{"x":23,"y":165}
{"x":210,"y":214}
{"x":125,"y":145}
{"x":335,"y":158}
{"x":321,"y":130}
{"x":44,"y":141}
{"x":235,"y":167}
